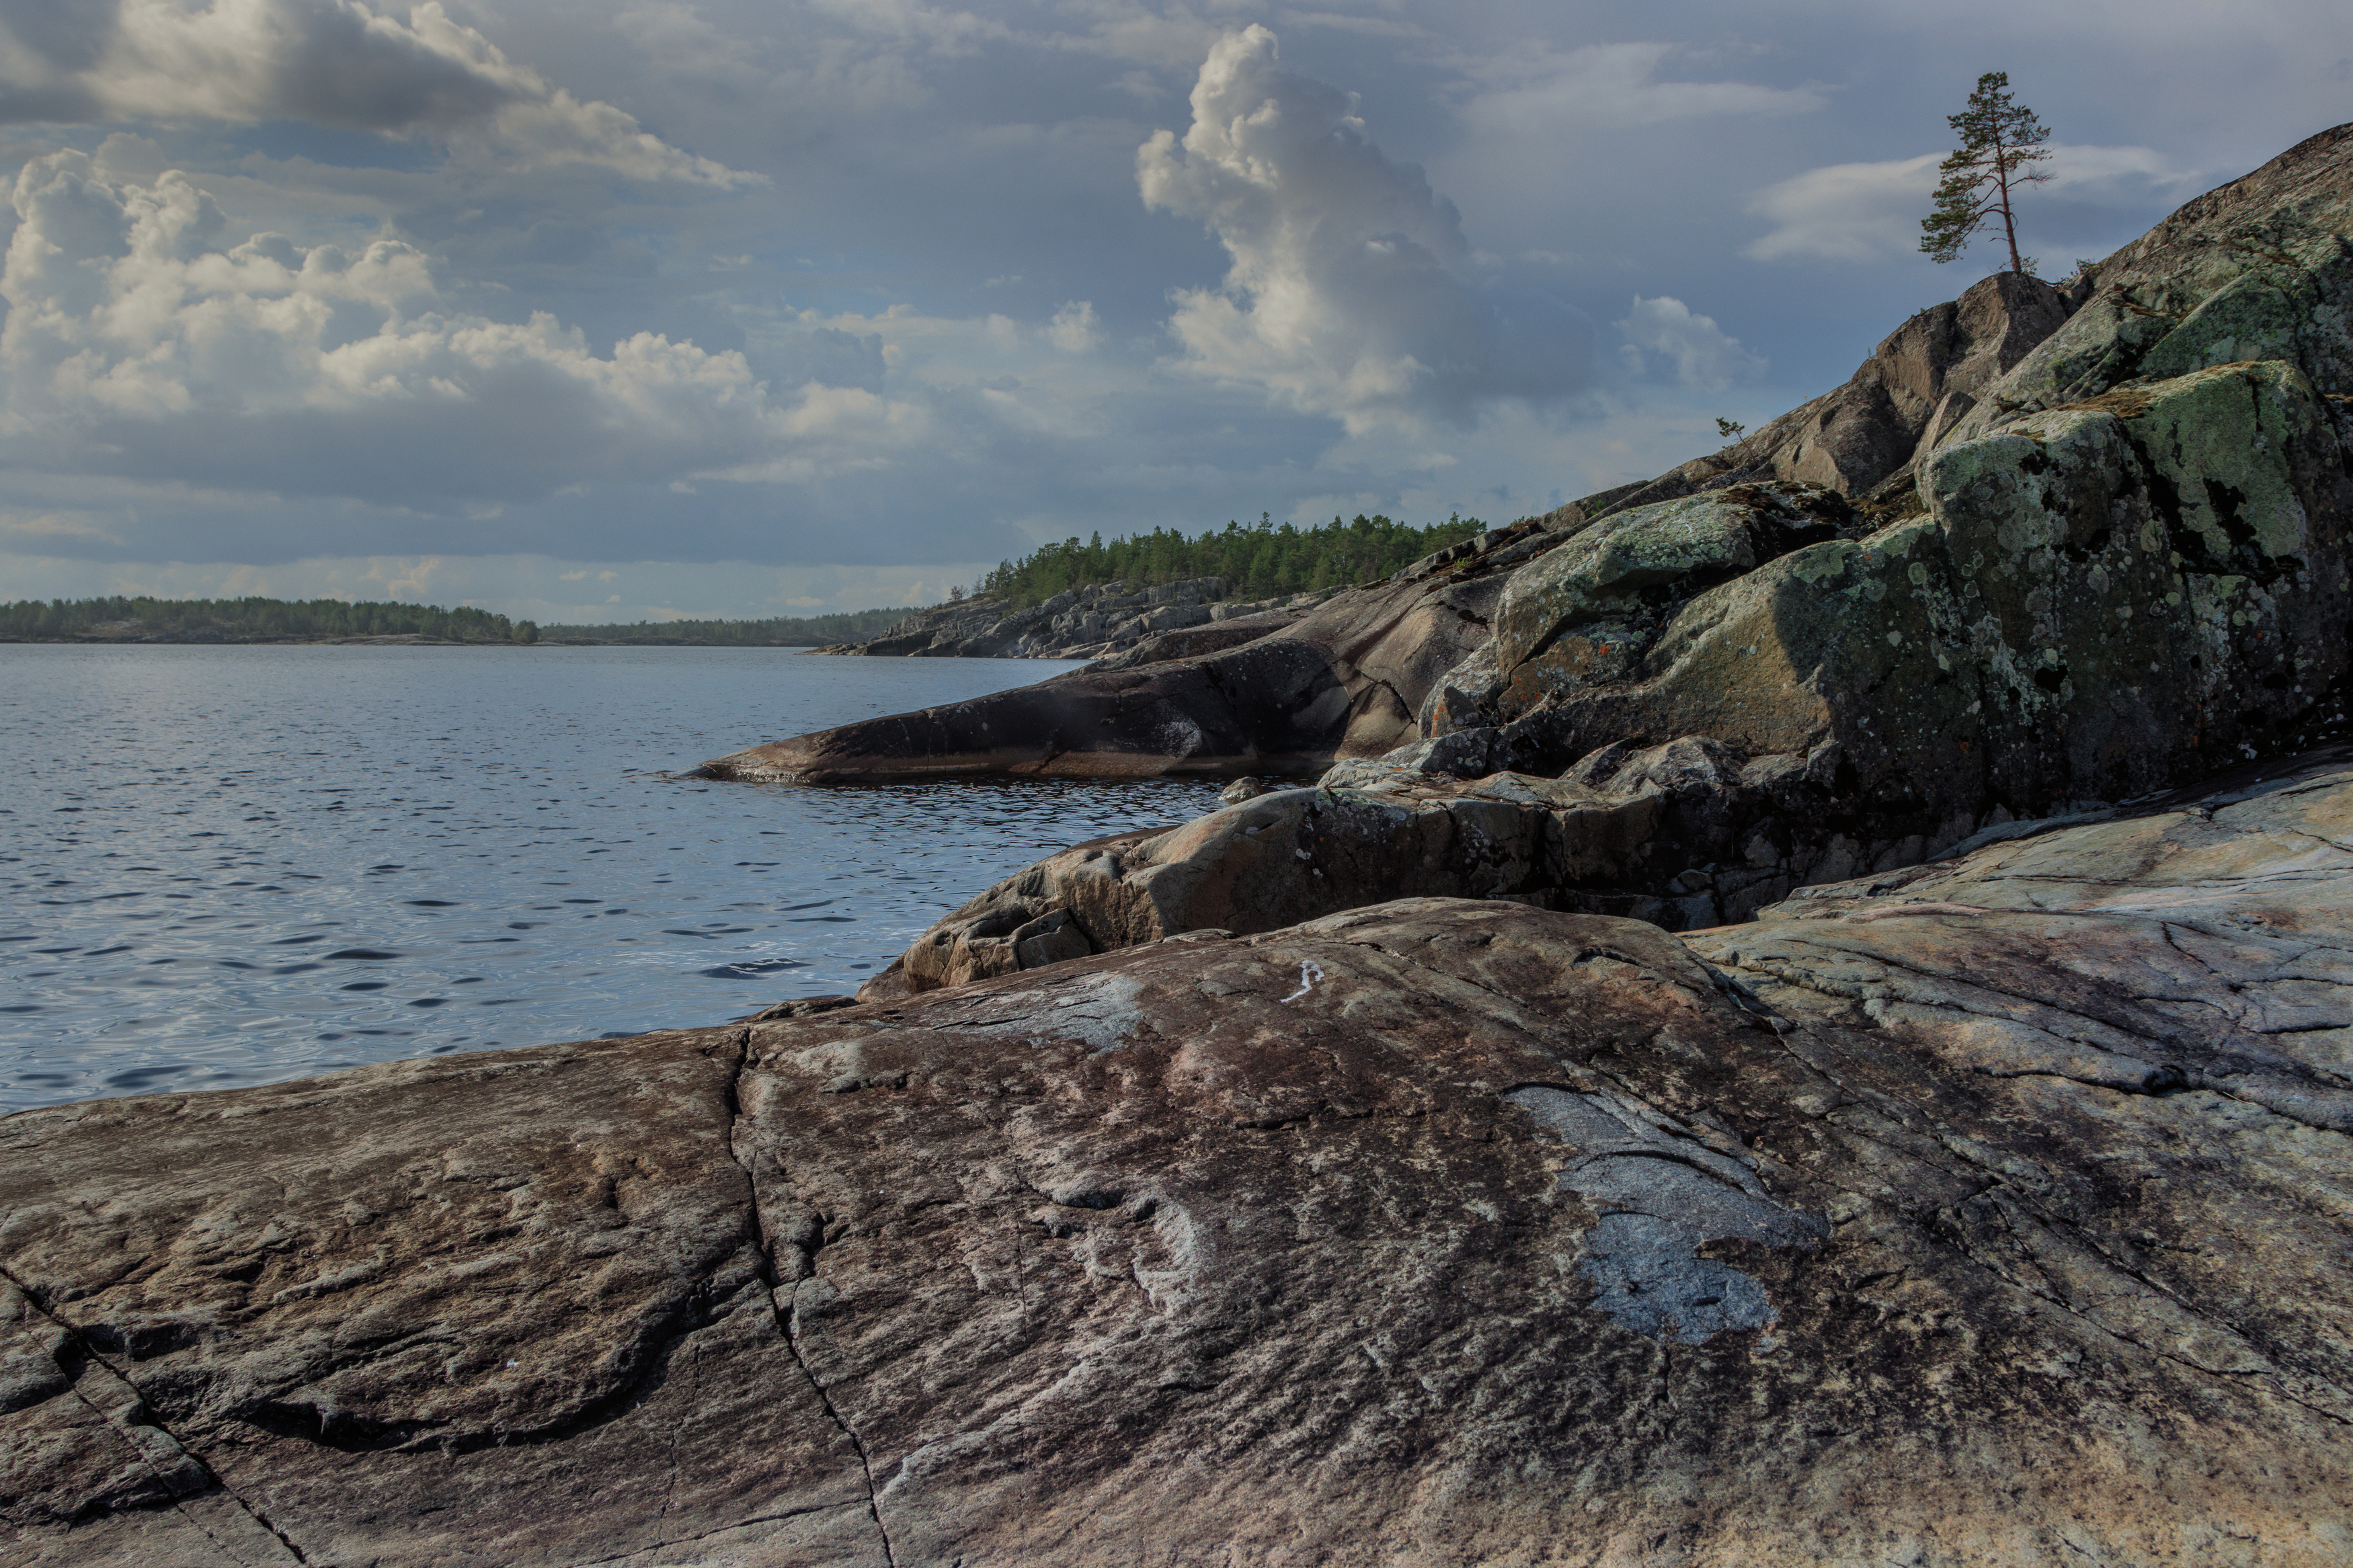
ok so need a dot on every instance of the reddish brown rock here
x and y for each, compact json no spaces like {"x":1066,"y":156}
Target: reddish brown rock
{"x":1995,"y":1216}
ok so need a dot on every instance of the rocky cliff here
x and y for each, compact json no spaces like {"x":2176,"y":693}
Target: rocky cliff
{"x":1989,"y":1214}
{"x":1734,"y":683}
{"x":2015,"y":497}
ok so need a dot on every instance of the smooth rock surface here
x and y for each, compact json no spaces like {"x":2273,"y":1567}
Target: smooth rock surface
{"x":1436,"y":1232}
{"x":1344,"y":679}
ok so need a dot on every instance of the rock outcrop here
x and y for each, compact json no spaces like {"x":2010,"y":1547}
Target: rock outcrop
{"x":1910,"y":393}
{"x":1097,"y":622}
{"x":2069,"y":607}
{"x":1992,"y":1213}
{"x":2096,"y":537}
{"x":1344,"y":679}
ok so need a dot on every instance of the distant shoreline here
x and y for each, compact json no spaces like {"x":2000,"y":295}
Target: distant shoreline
{"x":394,"y":639}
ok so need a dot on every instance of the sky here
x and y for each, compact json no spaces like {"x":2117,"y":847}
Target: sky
{"x":589,"y":311}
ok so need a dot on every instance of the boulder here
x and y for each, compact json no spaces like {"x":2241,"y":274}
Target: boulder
{"x":1994,"y":1216}
{"x":1682,"y":835}
{"x":2101,"y":601}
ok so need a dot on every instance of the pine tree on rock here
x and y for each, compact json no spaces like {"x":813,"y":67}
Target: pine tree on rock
{"x":2001,"y":143}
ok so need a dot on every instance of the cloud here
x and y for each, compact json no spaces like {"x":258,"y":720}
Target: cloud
{"x":1351,"y":291}
{"x":1870,"y":211}
{"x":326,"y":62}
{"x":1706,"y":359}
{"x":1539,"y":92}
{"x":33,"y":530}
{"x":135,"y":341}
{"x":1074,"y":329}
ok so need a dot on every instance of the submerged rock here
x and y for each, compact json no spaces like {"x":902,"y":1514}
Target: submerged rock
{"x":1991,"y":1213}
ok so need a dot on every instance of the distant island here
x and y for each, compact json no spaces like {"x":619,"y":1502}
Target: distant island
{"x":250,"y":620}
{"x":1264,"y":559}
{"x":143,"y":619}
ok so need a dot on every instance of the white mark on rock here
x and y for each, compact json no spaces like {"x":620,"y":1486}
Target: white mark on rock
{"x":1310,"y":972}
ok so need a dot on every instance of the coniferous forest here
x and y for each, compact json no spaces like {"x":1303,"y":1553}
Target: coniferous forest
{"x":1258,"y":561}
{"x":250,"y":619}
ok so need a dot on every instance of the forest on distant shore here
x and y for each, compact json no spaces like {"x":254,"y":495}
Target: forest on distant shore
{"x":255,"y":619}
{"x":250,"y":619}
{"x":807,"y":631}
{"x":1258,"y":560}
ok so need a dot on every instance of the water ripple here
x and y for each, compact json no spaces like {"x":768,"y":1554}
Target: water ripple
{"x":239,"y":865}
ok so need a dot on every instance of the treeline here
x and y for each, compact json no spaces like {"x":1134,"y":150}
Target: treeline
{"x":810,"y":631}
{"x":210,"y":619}
{"x":1258,"y":560}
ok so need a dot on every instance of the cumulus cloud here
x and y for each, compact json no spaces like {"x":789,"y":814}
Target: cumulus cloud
{"x":1870,"y":211}
{"x":1704,"y":357}
{"x":327,"y":62}
{"x":137,"y":340}
{"x":1351,"y":292}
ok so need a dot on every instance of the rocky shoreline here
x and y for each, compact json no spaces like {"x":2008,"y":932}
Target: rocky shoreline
{"x":1805,"y":1017}
{"x":1107,"y":622}
{"x":1993,"y":1213}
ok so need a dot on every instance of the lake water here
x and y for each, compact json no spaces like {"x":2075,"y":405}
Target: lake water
{"x":224,"y":866}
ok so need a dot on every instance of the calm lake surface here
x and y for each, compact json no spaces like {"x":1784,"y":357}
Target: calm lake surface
{"x":224,"y":866}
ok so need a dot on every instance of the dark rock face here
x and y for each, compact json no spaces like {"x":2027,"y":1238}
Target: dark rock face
{"x":1992,"y":1217}
{"x":2100,"y":602}
{"x":1342,"y":680}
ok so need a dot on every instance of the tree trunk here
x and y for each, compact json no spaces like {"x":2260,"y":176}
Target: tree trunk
{"x":2009,"y":227}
